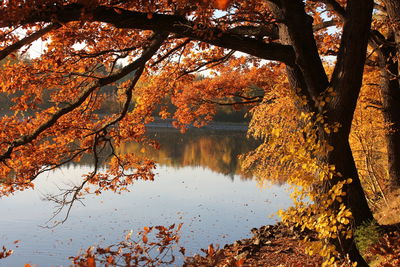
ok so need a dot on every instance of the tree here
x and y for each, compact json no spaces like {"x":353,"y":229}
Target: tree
{"x":385,"y":40}
{"x":153,"y":36}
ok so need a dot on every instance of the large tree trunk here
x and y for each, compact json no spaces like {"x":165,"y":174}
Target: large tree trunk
{"x":391,"y":111}
{"x":346,"y":83}
{"x":308,"y":74}
{"x":390,"y":91}
{"x":343,"y":160}
{"x":389,"y":56}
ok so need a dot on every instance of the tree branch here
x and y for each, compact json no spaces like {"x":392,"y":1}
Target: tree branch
{"x":128,"y":93}
{"x":62,"y":199}
{"x":27,"y":40}
{"x":379,"y":7}
{"x":147,"y":54}
{"x":179,"y":25}
{"x":347,"y":75}
{"x":258,"y":32}
{"x":170,"y":52}
{"x":335,"y":7}
{"x":300,"y":30}
{"x":214,"y":62}
{"x":325,"y":24}
{"x":103,"y":52}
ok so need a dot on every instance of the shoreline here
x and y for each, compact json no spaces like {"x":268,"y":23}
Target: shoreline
{"x":218,"y":126}
{"x":270,"y":245}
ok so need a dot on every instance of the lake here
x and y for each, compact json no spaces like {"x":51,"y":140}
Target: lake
{"x":199,"y":183}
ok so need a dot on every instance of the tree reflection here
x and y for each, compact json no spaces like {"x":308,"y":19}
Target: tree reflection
{"x":218,"y":151}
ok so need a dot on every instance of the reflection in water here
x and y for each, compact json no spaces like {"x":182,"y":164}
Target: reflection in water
{"x":215,"y":150}
{"x":190,"y":187}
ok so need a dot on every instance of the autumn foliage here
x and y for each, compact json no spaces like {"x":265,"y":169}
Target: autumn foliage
{"x":140,"y":251}
{"x":149,"y":55}
{"x":5,"y":253}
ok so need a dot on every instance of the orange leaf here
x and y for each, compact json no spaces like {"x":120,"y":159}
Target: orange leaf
{"x":179,"y":227}
{"x":240,"y":262}
{"x":210,"y":251}
{"x":110,"y":259}
{"x":91,"y":262}
{"x":221,"y":4}
{"x":145,"y":239}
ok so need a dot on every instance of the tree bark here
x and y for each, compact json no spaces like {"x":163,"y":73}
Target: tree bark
{"x":390,"y":91}
{"x":391,"y":111}
{"x":308,"y":75}
{"x":346,"y":83}
{"x":295,"y":75}
{"x":389,"y":56}
{"x":300,"y":31}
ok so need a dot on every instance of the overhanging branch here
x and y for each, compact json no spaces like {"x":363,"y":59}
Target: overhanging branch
{"x":179,"y":25}
{"x":147,"y":54}
{"x":27,"y":40}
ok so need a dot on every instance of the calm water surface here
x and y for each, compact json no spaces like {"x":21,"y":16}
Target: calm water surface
{"x":198,"y":183}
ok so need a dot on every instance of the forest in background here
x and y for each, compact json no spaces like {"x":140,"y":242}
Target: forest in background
{"x":111,"y":105}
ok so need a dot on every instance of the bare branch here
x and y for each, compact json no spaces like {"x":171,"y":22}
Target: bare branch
{"x":247,"y":101}
{"x":170,"y":52}
{"x":75,"y":191}
{"x":214,"y":62}
{"x":103,"y":52}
